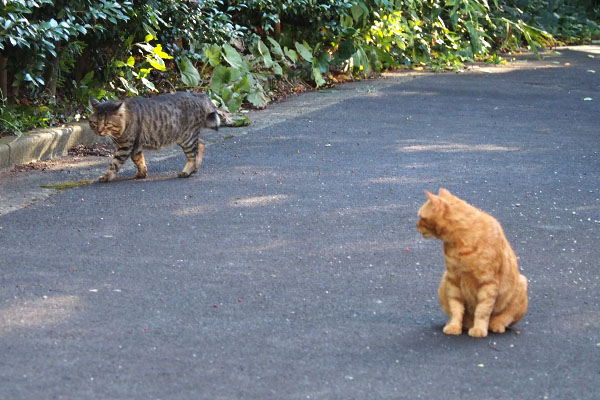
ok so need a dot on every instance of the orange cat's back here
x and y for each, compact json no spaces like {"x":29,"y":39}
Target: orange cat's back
{"x":482,"y":287}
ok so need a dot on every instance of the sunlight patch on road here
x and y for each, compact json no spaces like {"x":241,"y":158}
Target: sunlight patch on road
{"x":258,"y":200}
{"x":274,"y":245}
{"x":455,"y":148}
{"x":195,"y":210}
{"x":399,"y":180}
{"x":584,"y":49}
{"x":37,"y":313}
{"x":362,"y":247}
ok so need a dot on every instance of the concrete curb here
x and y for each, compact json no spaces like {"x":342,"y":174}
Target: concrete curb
{"x":42,"y":144}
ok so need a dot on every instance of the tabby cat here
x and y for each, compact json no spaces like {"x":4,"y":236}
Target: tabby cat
{"x":152,"y":123}
{"x":481,"y":288}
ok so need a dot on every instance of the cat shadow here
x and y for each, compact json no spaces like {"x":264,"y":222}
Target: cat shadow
{"x":422,"y":336}
{"x":153,"y":178}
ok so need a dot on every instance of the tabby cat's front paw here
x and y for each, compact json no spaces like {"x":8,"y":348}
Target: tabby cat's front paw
{"x":140,"y":175}
{"x":183,"y":175}
{"x":453,"y":329}
{"x":478,"y":332}
{"x":107,"y":177}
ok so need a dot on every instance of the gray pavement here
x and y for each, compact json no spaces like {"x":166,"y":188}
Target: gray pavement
{"x":289,"y":267}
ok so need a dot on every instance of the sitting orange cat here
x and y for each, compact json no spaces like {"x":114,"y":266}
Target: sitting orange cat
{"x":481,"y":288}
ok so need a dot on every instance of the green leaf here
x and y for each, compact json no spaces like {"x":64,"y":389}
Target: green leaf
{"x":130,"y":89}
{"x":318,"y":77}
{"x":129,"y":41}
{"x":213,"y":53}
{"x":233,"y":101}
{"x":144,"y":72}
{"x":242,"y":86}
{"x":344,"y":51}
{"x":277,"y":69}
{"x":322,"y":61}
{"x":359,"y":12}
{"x":240,"y":120}
{"x":232,"y":56}
{"x":156,"y":62}
{"x":474,"y":34}
{"x":265,"y":53}
{"x":220,"y":78}
{"x":88,"y":78}
{"x":304,"y":52}
{"x":189,"y":73}
{"x":149,"y":84}
{"x":257,"y":98}
{"x":384,"y":56}
{"x":131,"y":61}
{"x":151,"y":32}
{"x":275,"y":47}
{"x":291,"y":54}
{"x":160,"y":53}
{"x":147,"y":47}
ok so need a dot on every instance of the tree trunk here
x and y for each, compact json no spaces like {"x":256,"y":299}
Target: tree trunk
{"x":53,"y":75}
{"x":3,"y":77}
{"x":83,"y":65}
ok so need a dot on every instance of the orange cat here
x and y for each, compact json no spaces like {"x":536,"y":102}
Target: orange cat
{"x":481,"y":288}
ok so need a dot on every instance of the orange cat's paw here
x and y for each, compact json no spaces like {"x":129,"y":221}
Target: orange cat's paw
{"x":453,"y":329}
{"x":478,"y":332}
{"x":497,"y":327}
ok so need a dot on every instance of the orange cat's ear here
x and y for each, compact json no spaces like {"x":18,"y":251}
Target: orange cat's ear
{"x":436,"y":201}
{"x":432,"y":197}
{"x":444,"y":193}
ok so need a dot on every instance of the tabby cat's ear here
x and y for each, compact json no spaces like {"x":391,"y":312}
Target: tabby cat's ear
{"x":93,"y":103}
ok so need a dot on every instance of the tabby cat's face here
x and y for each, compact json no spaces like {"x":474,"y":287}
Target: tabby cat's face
{"x":108,"y":118}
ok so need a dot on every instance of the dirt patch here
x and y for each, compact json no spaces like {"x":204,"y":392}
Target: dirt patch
{"x":32,"y":166}
{"x":74,"y":154}
{"x":101,"y":150}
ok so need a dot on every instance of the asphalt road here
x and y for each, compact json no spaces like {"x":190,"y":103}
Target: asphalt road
{"x":289,"y":267}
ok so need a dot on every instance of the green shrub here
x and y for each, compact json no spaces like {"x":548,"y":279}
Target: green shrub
{"x":57,"y":52}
